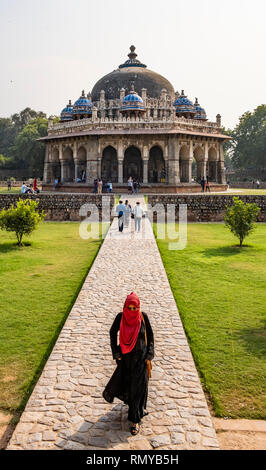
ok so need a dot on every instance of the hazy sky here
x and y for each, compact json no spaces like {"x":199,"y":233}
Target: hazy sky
{"x":213,"y":49}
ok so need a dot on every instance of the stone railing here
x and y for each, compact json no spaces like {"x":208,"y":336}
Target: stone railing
{"x":110,"y":123}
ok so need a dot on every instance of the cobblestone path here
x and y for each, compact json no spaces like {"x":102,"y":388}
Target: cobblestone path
{"x":66,"y":409}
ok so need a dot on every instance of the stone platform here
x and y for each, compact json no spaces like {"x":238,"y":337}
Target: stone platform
{"x":158,"y":188}
{"x":66,"y":409}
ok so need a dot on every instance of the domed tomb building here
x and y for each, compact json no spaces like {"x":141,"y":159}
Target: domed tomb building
{"x":133,"y":123}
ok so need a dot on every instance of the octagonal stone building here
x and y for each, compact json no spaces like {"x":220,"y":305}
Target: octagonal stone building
{"x":134,"y":124}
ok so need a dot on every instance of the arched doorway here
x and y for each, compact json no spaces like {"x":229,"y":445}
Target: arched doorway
{"x":80,"y":173}
{"x":69,"y":170}
{"x":55,"y":169}
{"x":156,"y":167}
{"x":132,"y":165}
{"x":109,"y":166}
{"x":199,"y":157}
{"x":184,"y":164}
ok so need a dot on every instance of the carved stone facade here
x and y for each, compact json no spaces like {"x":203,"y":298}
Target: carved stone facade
{"x":150,"y":138}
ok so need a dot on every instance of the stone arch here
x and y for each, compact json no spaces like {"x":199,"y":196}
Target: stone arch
{"x":212,"y":164}
{"x":132,"y":164}
{"x":69,"y":172}
{"x":184,"y":163}
{"x":198,"y":154}
{"x":109,"y":164}
{"x":55,"y":168}
{"x":156,"y":165}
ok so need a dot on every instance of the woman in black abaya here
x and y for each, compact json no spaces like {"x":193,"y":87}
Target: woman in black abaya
{"x":133,"y":355}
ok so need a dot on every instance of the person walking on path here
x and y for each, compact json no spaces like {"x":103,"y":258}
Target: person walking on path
{"x":120,"y":210}
{"x":133,"y":355}
{"x":138,"y":213}
{"x":8,"y":184}
{"x":127,"y":213}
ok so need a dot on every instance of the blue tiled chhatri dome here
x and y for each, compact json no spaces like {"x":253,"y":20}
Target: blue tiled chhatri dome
{"x":66,"y":113}
{"x":132,"y":102}
{"x":200,"y":112}
{"x":184,"y":107}
{"x":82,"y":107}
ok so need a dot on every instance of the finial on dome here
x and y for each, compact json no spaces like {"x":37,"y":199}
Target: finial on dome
{"x":196,"y":101}
{"x":132,"y":55}
{"x":83,"y":93}
{"x":69,"y":103}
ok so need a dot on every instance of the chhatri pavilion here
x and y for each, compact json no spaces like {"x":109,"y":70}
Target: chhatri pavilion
{"x":133,"y":123}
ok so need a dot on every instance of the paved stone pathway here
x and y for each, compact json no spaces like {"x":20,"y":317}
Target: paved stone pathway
{"x":66,"y":409}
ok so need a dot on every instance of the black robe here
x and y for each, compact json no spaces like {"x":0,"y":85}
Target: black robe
{"x":129,"y":381}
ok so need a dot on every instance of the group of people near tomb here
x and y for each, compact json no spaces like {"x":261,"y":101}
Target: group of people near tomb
{"x":102,"y":186}
{"x":30,"y":188}
{"x":133,"y":185}
{"x":205,"y":184}
{"x":125,"y":212}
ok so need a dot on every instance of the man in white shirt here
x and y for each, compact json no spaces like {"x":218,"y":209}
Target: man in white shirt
{"x":120,"y":210}
{"x":138,"y":213}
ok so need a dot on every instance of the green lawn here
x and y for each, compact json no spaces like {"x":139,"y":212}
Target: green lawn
{"x":220,"y":291}
{"x":243,"y":191}
{"x":39,"y":284}
{"x":13,"y":190}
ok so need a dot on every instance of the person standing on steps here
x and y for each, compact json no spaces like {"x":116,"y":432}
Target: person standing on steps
{"x":133,"y":355}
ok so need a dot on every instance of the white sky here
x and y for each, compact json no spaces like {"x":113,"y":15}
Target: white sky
{"x":213,"y":49}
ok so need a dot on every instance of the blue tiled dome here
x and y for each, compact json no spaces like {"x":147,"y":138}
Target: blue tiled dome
{"x":200,"y":112}
{"x":132,"y":101}
{"x":66,"y":113}
{"x":83,"y":105}
{"x":184,"y":106}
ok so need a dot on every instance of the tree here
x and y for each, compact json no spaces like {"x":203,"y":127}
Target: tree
{"x":27,"y":150}
{"x":249,"y":140}
{"x":240,"y":218}
{"x":22,"y":219}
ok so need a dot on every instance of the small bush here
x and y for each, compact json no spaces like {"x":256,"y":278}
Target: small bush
{"x":22,"y":219}
{"x":240,"y":218}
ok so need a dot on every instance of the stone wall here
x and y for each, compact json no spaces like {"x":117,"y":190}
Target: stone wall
{"x":206,"y":208}
{"x":60,"y":206}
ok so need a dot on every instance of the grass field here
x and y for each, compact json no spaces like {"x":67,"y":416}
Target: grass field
{"x":220,"y":292}
{"x":39,"y":284}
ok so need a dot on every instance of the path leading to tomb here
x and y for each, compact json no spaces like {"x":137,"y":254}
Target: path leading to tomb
{"x":66,"y":409}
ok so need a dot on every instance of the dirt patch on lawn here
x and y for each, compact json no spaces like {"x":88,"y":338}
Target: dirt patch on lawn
{"x":6,"y":429}
{"x":240,"y":434}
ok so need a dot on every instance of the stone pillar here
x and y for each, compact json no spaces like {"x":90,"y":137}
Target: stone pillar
{"x":46,"y":177}
{"x":145,"y":164}
{"x":120,"y":158}
{"x":173,"y":161}
{"x":64,"y":171}
{"x":92,"y":160}
{"x":220,"y":170}
{"x":189,"y":169}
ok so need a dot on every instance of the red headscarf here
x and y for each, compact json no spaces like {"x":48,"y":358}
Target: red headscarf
{"x":130,"y":324}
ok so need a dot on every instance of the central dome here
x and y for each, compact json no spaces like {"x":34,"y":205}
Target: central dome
{"x":132,"y":72}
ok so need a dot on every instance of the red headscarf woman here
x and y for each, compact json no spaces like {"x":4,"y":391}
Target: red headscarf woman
{"x":129,"y":381}
{"x":130,"y":323}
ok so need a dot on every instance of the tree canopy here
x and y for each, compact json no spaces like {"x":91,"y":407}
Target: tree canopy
{"x":248,"y":146}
